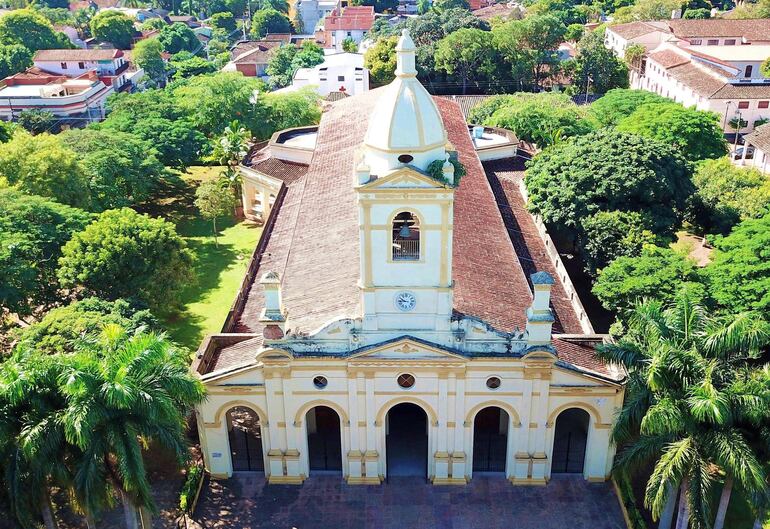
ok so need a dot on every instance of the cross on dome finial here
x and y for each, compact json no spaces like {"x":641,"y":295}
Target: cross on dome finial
{"x":405,"y":57}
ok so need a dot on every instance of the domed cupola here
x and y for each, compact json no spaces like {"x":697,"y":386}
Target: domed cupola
{"x":405,"y":126}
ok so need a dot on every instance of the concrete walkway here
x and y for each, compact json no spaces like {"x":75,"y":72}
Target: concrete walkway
{"x":247,"y":502}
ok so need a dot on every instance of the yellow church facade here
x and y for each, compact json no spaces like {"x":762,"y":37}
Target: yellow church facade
{"x":395,"y":322}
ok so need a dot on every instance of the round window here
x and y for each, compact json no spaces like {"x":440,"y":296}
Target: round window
{"x":320,"y":382}
{"x":405,"y":380}
{"x":493,"y":382}
{"x":405,"y":158}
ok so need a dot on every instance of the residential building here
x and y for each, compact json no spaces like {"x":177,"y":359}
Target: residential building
{"x":109,"y":64}
{"x":312,"y":11}
{"x":391,"y":324}
{"x":340,"y":72}
{"x":251,"y":57}
{"x":712,"y":65}
{"x":347,"y":23}
{"x":72,"y":98}
{"x":502,"y":11}
{"x":756,"y":149}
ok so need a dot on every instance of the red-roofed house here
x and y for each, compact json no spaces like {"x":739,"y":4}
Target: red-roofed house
{"x":352,"y":22}
{"x":398,"y":320}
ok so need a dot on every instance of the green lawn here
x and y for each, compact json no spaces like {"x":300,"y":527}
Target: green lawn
{"x":219,"y":269}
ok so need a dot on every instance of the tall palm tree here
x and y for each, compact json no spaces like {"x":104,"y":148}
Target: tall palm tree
{"x":690,"y":397}
{"x":123,"y":391}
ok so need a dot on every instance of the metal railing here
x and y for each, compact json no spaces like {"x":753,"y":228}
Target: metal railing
{"x":406,"y":250}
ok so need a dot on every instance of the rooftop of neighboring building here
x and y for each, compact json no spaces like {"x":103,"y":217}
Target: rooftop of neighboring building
{"x":497,"y":10}
{"x":760,"y":138}
{"x":749,"y":29}
{"x":755,"y":52}
{"x":352,"y":18}
{"x":58,"y":55}
{"x":253,"y":51}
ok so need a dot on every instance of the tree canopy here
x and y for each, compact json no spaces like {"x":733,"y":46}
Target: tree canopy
{"x":596,"y":68}
{"x":269,"y":20}
{"x":608,"y":170}
{"x":124,"y":255}
{"x":33,"y":230}
{"x":31,"y":30}
{"x":739,"y":273}
{"x":178,"y":37}
{"x":697,"y":134}
{"x":607,"y":235}
{"x":147,"y":54}
{"x":467,"y":53}
{"x":113,"y":27}
{"x":380,"y":60}
{"x":619,"y":103}
{"x":286,"y":60}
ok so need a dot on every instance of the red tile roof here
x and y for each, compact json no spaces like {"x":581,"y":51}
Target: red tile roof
{"x":352,"y":18}
{"x":77,"y":55}
{"x":668,"y":58}
{"x":751,"y":29}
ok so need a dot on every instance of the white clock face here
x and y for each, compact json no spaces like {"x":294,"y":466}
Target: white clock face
{"x":405,"y":301}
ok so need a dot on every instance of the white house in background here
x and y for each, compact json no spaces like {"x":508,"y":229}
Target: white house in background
{"x":711,"y":65}
{"x":760,"y":141}
{"x":80,"y":98}
{"x":312,"y":11}
{"x":352,"y":22}
{"x":109,"y":64}
{"x":390,"y":325}
{"x":340,"y":72}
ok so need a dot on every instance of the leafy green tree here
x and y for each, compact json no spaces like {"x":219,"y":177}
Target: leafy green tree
{"x":607,"y":235}
{"x":36,"y":120}
{"x":32,"y":232}
{"x":443,"y":5}
{"x":739,"y":273}
{"x":529,"y":46}
{"x":658,"y":273}
{"x":696,"y":133}
{"x":122,"y":169}
{"x":125,"y":110}
{"x":267,"y":21}
{"x":700,"y":13}
{"x":42,"y":165}
{"x":224,"y":21}
{"x":648,"y":10}
{"x":728,"y":194}
{"x":574,"y":32}
{"x":178,"y":143}
{"x":692,"y":406}
{"x":619,"y":103}
{"x":122,"y":389}
{"x":152,"y":24}
{"x":62,"y":328}
{"x":124,"y":254}
{"x":544,"y":119}
{"x":31,"y":30}
{"x":285,"y":61}
{"x":349,"y":45}
{"x":765,"y":67}
{"x":14,"y":58}
{"x":178,"y":37}
{"x":185,"y":64}
{"x":605,"y":171}
{"x":380,"y":6}
{"x":284,"y":111}
{"x":278,"y":5}
{"x":113,"y":27}
{"x":380,"y":60}
{"x":467,"y":53}
{"x":483,"y":111}
{"x":147,"y":54}
{"x":213,"y":201}
{"x":596,"y":68}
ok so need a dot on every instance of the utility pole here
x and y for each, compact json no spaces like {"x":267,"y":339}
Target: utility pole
{"x":737,"y":129}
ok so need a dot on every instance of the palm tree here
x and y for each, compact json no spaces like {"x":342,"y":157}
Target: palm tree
{"x":690,"y":396}
{"x":123,"y":391}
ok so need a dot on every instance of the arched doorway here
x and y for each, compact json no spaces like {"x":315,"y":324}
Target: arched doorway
{"x":569,"y":442}
{"x":406,"y":441}
{"x":490,"y":440}
{"x":245,"y":436}
{"x":324,"y":440}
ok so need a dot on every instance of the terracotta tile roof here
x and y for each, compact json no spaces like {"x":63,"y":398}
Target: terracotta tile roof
{"x":504,"y":177}
{"x":282,"y":170}
{"x":335,"y":96}
{"x":743,"y":91}
{"x":751,"y":29}
{"x":314,"y":243}
{"x":582,"y":354}
{"x":695,"y":78}
{"x":77,"y":55}
{"x":760,"y":138}
{"x":631,"y":30}
{"x":352,"y":18}
{"x":495,"y":10}
{"x":466,"y":102}
{"x":668,"y":58}
{"x":253,"y":52}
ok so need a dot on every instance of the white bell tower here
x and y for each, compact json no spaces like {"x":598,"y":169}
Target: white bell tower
{"x":405,"y":214}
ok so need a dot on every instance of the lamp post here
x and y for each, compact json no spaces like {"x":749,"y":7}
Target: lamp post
{"x":737,"y":129}
{"x":727,"y":112}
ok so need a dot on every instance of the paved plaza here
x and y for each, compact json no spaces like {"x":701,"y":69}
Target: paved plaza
{"x":247,"y":502}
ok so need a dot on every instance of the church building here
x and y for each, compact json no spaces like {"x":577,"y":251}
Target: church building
{"x":401,"y":315}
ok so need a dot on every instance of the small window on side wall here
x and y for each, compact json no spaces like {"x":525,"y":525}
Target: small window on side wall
{"x":406,"y":237}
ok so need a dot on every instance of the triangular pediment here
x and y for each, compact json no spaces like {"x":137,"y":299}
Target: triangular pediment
{"x":403,"y":178}
{"x":407,"y":349}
